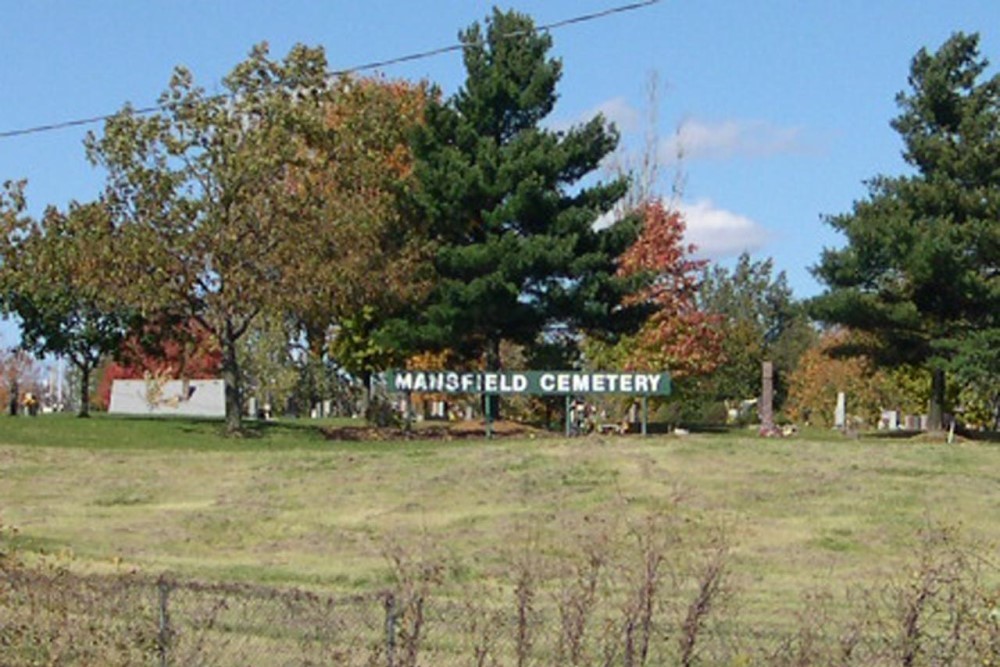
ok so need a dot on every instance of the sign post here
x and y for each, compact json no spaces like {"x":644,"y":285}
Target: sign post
{"x":487,"y":409}
{"x":569,"y":415}
{"x":645,"y":414}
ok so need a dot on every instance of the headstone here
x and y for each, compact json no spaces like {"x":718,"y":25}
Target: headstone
{"x":182,"y":398}
{"x":889,"y":420}
{"x":840,"y":414}
{"x":252,"y":407}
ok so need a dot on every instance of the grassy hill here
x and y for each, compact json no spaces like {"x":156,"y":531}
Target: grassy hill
{"x":288,"y":506}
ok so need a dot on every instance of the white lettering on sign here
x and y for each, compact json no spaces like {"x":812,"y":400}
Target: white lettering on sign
{"x":530,"y":382}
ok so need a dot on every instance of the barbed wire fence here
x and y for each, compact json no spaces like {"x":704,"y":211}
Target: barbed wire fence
{"x":50,"y":617}
{"x":58,"y":618}
{"x":596,"y":609}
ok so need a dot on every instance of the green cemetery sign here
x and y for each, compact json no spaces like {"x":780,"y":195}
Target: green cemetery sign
{"x":544,"y":383}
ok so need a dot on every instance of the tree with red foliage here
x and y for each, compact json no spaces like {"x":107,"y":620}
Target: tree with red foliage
{"x":677,"y":336}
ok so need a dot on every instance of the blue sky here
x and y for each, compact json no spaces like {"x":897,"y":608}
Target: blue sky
{"x":781,"y":107}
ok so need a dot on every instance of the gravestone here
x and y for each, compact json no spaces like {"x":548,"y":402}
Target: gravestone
{"x":889,"y":420}
{"x":180,"y":398}
{"x":840,"y":414}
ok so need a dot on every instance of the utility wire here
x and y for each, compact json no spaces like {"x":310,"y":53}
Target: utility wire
{"x":420,"y":55}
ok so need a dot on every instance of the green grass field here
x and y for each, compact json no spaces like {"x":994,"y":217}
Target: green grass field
{"x":284,"y":506}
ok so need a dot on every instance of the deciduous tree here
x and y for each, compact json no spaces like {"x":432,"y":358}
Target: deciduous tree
{"x":268,"y":367}
{"x":205,"y":217}
{"x":358,"y":252}
{"x":678,"y":336}
{"x":976,"y":366}
{"x":826,"y":369}
{"x":759,"y":320}
{"x":19,"y":373}
{"x":51,"y":277}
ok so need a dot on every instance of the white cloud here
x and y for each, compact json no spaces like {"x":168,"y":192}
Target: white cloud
{"x":626,"y":117}
{"x":616,"y":110}
{"x":719,"y":233}
{"x":697,"y":139}
{"x":715,"y":232}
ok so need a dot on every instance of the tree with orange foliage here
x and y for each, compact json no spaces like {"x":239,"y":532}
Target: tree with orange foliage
{"x":677,"y":336}
{"x":358,"y":259}
{"x":823,"y":371}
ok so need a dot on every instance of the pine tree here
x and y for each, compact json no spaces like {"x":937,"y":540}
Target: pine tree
{"x":921,"y":268}
{"x":518,"y":253}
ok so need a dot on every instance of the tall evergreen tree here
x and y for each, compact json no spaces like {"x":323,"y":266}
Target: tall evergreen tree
{"x":921,"y":268}
{"x":517,"y":249}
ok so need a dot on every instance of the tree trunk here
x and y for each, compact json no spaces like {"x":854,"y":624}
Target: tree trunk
{"x":15,"y":397}
{"x":316,"y":349}
{"x":231,"y":377}
{"x":935,"y":412}
{"x":366,"y":395}
{"x":84,"y":369}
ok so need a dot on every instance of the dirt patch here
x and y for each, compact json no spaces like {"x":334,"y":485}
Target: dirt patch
{"x":434,"y":431}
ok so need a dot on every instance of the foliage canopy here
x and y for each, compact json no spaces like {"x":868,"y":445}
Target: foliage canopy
{"x":203,"y":215}
{"x":51,"y":274}
{"x":518,"y":254}
{"x":921,"y":268}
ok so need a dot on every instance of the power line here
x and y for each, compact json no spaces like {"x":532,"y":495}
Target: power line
{"x":398,"y":60}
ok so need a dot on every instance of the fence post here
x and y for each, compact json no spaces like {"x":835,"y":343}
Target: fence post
{"x":163,"y":631}
{"x":390,"y":629}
